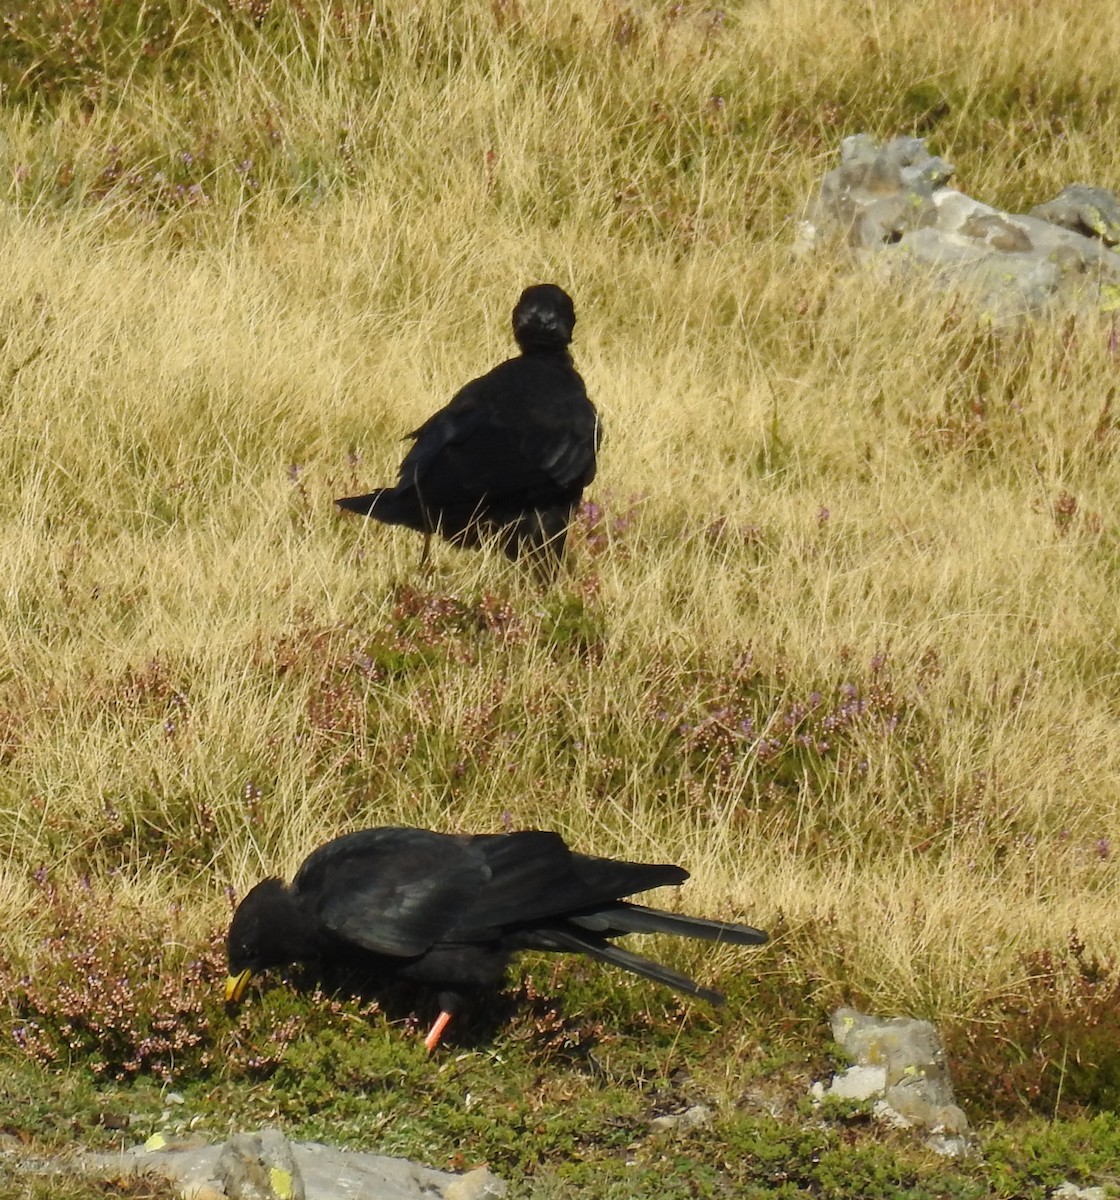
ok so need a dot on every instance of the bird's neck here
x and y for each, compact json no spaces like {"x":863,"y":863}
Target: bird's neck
{"x":302,"y":935}
{"x":548,"y":353}
{"x":292,"y":932}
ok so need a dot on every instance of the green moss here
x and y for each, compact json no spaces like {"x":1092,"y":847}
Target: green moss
{"x":1033,"y":1157}
{"x":555,"y":1126}
{"x":53,"y":1186}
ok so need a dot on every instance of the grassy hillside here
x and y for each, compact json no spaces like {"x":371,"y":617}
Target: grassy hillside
{"x":838,"y":630}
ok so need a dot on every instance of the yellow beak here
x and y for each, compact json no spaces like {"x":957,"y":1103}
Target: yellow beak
{"x":236,"y":985}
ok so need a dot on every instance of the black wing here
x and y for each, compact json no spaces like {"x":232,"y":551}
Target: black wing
{"x":391,"y":891}
{"x":526,"y":430}
{"x":401,"y":891}
{"x":534,"y":878}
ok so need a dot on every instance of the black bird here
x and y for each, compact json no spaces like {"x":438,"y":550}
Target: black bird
{"x":449,"y":910}
{"x":510,"y":455}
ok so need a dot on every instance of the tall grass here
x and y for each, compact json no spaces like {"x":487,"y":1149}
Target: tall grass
{"x":839,"y":632}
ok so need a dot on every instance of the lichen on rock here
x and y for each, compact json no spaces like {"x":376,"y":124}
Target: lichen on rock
{"x":892,"y":204}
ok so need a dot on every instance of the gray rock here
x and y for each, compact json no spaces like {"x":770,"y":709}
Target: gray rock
{"x":478,"y":1184}
{"x":268,"y":1167}
{"x":997,"y":231}
{"x":893,"y":206}
{"x":695,"y":1117}
{"x":209,"y":1190}
{"x":1092,"y":211}
{"x":899,"y":1062}
{"x":899,"y":172}
{"x":259,"y":1166}
{"x":955,"y":209}
{"x":887,"y":219}
{"x":859,"y":1083}
{"x":911,"y":1100}
{"x":1070,"y":1191}
{"x":885,"y":1115}
{"x":882,"y":1039}
{"x":951,"y":1146}
{"x":330,"y":1173}
{"x":927,"y":247}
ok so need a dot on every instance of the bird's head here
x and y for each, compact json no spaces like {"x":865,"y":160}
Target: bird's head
{"x":543,"y":318}
{"x":261,"y":934}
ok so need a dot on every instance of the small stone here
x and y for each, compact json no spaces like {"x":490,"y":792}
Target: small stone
{"x":695,"y":1117}
{"x":806,"y":239}
{"x":478,"y":1184}
{"x":1070,"y":1191}
{"x":952,"y":1146}
{"x":165,"y":1141}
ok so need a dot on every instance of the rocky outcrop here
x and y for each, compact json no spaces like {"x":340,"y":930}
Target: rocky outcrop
{"x":893,"y":206}
{"x":898,"y":1063}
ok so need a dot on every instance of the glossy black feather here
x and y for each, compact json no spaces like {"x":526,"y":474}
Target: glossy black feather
{"x":510,"y":454}
{"x":450,"y":910}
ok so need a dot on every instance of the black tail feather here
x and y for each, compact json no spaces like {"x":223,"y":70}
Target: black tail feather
{"x":391,"y":506}
{"x":636,"y":964}
{"x":362,"y":504}
{"x":636,"y":918}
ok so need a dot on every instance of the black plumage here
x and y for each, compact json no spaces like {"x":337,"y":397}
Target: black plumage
{"x":448,"y":911}
{"x":511,"y":453}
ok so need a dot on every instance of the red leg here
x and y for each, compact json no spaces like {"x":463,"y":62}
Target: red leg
{"x":436,"y":1032}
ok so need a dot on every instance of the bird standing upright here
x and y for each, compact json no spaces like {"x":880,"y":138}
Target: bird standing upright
{"x":449,"y":911}
{"x":509,"y":456}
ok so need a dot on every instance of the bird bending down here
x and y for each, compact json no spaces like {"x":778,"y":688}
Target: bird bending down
{"x":448,"y":911}
{"x":511,"y":453}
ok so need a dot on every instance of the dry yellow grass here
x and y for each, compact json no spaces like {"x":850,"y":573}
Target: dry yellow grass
{"x":899,"y":473}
